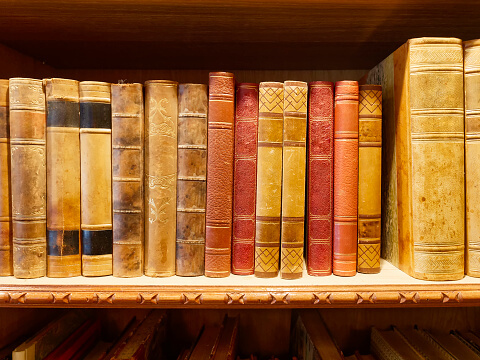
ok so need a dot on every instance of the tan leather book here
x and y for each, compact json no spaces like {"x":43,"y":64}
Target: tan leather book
{"x":390,"y":345}
{"x":161,"y":120}
{"x":96,"y":178}
{"x":427,"y":348}
{"x":269,"y":178}
{"x":127,"y":173}
{"x":63,"y":178}
{"x":293,"y":178}
{"x":453,"y":345}
{"x":369,"y":178}
{"x":28,"y":177}
{"x":191,"y":179}
{"x":423,"y":228}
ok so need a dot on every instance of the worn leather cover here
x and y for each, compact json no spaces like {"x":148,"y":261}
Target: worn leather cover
{"x":345,"y":178}
{"x":293,"y":178}
{"x":127,"y":173}
{"x":161,"y":118}
{"x":28,"y":177}
{"x":63,"y":178}
{"x":96,"y":178}
{"x":423,"y":231}
{"x":320,"y":179}
{"x":269,"y":179}
{"x":219,"y":174}
{"x":191,"y":179}
{"x":369,"y":178}
{"x":245,"y":179}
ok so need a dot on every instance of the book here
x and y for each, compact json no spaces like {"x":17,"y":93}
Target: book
{"x":207,"y":344}
{"x":96,"y":178}
{"x":227,"y":343}
{"x":453,"y":345}
{"x":269,"y":179}
{"x":127,"y":173}
{"x":293,"y":178}
{"x":423,"y":231}
{"x":28,"y":177}
{"x":319,"y":195}
{"x":245,"y":179}
{"x":369,"y":178}
{"x":191,"y":179}
{"x":120,"y":343}
{"x":390,"y":345}
{"x":98,"y":351}
{"x":218,"y":235}
{"x":63,"y":178}
{"x":423,"y":344}
{"x":161,"y":118}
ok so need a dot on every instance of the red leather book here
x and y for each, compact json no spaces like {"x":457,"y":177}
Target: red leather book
{"x":320,"y":178}
{"x":345,"y":178}
{"x":245,"y":179}
{"x":218,"y":234}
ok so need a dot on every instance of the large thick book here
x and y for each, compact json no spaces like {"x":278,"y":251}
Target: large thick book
{"x":191,"y":179}
{"x":28,"y":177}
{"x":423,"y":202}
{"x":63,"y":178}
{"x":127,"y":173}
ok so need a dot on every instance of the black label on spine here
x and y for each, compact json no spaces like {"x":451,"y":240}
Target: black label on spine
{"x":97,"y":242}
{"x":95,"y":115}
{"x":63,"y":113}
{"x":63,"y":243}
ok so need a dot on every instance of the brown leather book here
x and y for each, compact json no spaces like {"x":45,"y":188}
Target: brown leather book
{"x":345,"y":178}
{"x":96,"y":178}
{"x":369,"y":178}
{"x":191,"y":179}
{"x":219,"y":174}
{"x":161,"y":118}
{"x":453,"y":345}
{"x":127,"y":173}
{"x":207,"y":344}
{"x":63,"y":178}
{"x":423,"y":227}
{"x":245,"y":179}
{"x":293,"y":178}
{"x":269,"y":179}
{"x":227,"y":343}
{"x":427,"y":348}
{"x":390,"y":345}
{"x":28,"y":177}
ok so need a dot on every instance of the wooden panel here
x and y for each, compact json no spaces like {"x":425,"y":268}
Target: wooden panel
{"x":16,"y":64}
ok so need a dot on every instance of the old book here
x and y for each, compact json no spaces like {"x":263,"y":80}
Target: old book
{"x":269,"y":179}
{"x":345,"y":178}
{"x":227,"y":343}
{"x":471,"y":337}
{"x":219,"y":175}
{"x":28,"y":177}
{"x":369,"y":178}
{"x":319,"y":212}
{"x":127,"y":173}
{"x":63,"y":178}
{"x":207,"y":344}
{"x":390,"y":345}
{"x":453,"y":345}
{"x":96,"y":178}
{"x":245,"y":179}
{"x":191,"y":179}
{"x":161,"y":119}
{"x":98,"y":351}
{"x":423,"y":345}
{"x":293,"y":178}
{"x":472,"y":345}
{"x":119,"y":344}
{"x":423,"y":231}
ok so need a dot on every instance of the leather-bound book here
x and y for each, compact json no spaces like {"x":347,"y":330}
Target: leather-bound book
{"x":345,"y":178}
{"x":191,"y":179}
{"x":161,"y":118}
{"x":28,"y":177}
{"x":127,"y":173}
{"x":63,"y":178}
{"x":227,"y":343}
{"x":245,"y":179}
{"x":293,"y":178}
{"x":423,"y":190}
{"x":369,"y":178}
{"x":269,"y":179}
{"x":391,"y":345}
{"x":219,"y":174}
{"x":96,"y":178}
{"x":320,"y":179}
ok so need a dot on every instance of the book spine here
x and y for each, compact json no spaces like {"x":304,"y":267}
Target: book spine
{"x":245,"y":179}
{"x":191,"y":179}
{"x":63,"y":178}
{"x":28,"y":177}
{"x":127,"y":173}
{"x":369,"y":178}
{"x":161,"y":121}
{"x":293,"y":178}
{"x":219,"y":174}
{"x":96,"y":178}
{"x":345,"y":178}
{"x":320,"y":179}
{"x":269,"y":179}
